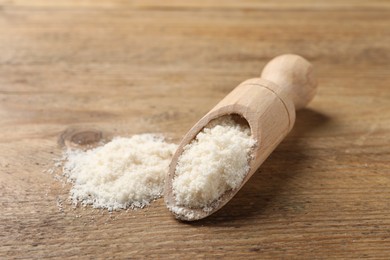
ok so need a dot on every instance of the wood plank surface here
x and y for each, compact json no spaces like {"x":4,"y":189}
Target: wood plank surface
{"x":126,"y":67}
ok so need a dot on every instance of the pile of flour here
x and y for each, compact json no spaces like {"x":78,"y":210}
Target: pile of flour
{"x":126,"y":172}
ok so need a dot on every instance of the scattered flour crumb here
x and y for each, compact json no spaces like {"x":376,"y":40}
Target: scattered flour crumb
{"x":126,"y":172}
{"x":216,"y":161}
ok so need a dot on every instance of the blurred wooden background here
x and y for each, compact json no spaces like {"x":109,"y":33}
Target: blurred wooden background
{"x":125,"y":67}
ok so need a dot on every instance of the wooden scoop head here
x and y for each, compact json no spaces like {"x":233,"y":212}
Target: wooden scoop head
{"x":268,"y":106}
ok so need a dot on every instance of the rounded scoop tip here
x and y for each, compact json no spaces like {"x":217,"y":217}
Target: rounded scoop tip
{"x":187,"y":214}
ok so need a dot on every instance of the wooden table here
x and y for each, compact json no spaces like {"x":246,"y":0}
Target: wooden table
{"x":125,"y":67}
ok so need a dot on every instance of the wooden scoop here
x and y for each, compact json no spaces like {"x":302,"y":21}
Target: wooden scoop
{"x":268,"y":105}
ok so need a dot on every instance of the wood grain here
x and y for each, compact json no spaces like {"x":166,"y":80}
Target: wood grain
{"x":125,"y":67}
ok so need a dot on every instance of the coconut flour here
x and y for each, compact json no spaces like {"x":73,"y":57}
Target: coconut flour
{"x":130,"y":172}
{"x":126,"y":172}
{"x":216,"y":161}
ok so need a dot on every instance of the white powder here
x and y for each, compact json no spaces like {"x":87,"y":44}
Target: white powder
{"x":216,"y":161}
{"x":126,"y":172}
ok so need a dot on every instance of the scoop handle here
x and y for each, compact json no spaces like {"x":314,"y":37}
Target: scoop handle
{"x":293,"y":77}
